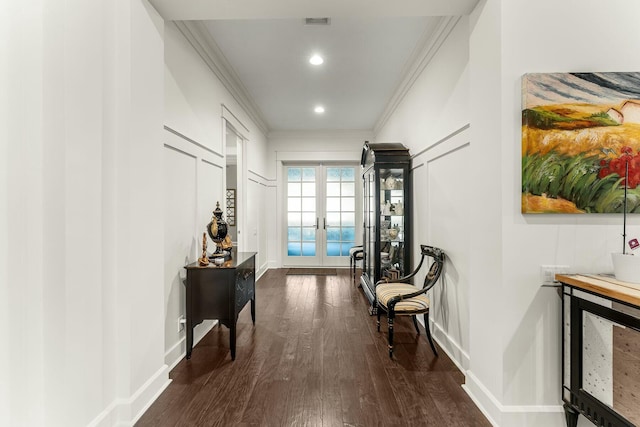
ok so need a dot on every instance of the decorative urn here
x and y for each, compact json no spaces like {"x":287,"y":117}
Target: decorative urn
{"x":217,"y":228}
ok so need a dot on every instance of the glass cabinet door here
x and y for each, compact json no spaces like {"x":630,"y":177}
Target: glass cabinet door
{"x":370,"y":222}
{"x":392,"y":223}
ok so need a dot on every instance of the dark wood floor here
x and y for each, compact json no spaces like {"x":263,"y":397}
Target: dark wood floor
{"x":313,"y":358}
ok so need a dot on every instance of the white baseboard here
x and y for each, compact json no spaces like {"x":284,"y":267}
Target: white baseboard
{"x":178,"y":351}
{"x":273,"y":264}
{"x":125,"y":412}
{"x":263,"y":269}
{"x":498,"y":414}
{"x":450,"y":346}
{"x":501,"y":415}
{"x":148,"y":393}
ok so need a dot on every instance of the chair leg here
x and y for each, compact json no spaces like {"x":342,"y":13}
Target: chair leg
{"x":352,"y":269}
{"x":426,"y":328}
{"x":390,"y":320}
{"x":379,"y":314}
{"x":415,"y":323}
{"x":355,"y":264}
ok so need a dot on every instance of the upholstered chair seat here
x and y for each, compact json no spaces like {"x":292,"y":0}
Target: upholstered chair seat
{"x":416,"y":305}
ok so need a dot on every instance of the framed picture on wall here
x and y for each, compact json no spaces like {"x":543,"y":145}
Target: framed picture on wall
{"x":580,"y":137}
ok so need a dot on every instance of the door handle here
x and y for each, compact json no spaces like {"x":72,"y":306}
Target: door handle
{"x":324,"y":223}
{"x":317,"y":220}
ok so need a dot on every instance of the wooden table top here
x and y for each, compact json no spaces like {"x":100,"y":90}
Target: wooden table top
{"x":234,"y":261}
{"x":606,"y":286}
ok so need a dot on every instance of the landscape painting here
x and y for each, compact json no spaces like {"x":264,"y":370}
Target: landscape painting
{"x":580,"y":142}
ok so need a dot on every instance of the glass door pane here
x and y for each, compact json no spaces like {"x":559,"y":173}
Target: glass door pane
{"x":340,"y":213}
{"x":370,"y":232}
{"x":392,"y":224}
{"x":302,"y":218}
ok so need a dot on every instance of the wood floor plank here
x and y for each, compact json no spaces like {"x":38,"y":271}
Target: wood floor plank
{"x":313,"y":358}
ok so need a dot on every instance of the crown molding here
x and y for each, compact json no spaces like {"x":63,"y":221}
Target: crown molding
{"x":363,"y":134}
{"x":197,"y":35}
{"x":425,"y":50}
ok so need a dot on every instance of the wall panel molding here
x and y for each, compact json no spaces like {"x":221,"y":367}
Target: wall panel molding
{"x":449,"y":152}
{"x":263,"y":178}
{"x":259,"y":179}
{"x":172,"y":148}
{"x":451,"y":138}
{"x":181,"y":140}
{"x":443,"y":224}
{"x":215,"y":165}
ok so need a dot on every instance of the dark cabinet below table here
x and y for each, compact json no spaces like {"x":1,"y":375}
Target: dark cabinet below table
{"x":220,"y":292}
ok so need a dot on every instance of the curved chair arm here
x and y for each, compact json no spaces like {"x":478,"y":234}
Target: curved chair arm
{"x":404,"y":279}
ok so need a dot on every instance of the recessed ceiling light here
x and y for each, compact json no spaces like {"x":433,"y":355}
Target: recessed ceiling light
{"x":316,"y":60}
{"x":319,"y":109}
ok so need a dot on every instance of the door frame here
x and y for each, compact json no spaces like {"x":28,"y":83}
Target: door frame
{"x":241,"y":180}
{"x":321,"y":260}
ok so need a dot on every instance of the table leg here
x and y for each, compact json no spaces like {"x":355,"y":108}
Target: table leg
{"x":189,"y":339}
{"x":571,"y":415}
{"x":253,"y":310}
{"x":232,"y":338}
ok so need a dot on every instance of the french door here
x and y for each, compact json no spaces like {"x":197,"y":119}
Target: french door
{"x":322,"y":204}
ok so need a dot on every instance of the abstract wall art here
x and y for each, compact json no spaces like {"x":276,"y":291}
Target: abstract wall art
{"x":580,"y":142}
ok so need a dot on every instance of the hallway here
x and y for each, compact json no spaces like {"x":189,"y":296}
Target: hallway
{"x":314,"y":358}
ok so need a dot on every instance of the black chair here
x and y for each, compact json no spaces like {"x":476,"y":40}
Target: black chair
{"x":401,"y":298}
{"x":356,"y":253}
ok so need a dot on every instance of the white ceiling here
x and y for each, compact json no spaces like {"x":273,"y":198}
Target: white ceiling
{"x":363,"y":64}
{"x":369,"y":48}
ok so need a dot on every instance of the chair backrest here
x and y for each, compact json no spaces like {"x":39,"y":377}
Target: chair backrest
{"x":436,"y":267}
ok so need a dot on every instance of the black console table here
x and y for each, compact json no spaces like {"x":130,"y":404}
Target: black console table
{"x":601,"y":365}
{"x":220,"y":292}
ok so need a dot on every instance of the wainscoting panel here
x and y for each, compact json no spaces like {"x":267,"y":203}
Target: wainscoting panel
{"x":180,"y":186}
{"x":193,"y":184}
{"x":441,"y":219}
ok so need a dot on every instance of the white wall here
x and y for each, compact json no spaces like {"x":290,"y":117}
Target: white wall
{"x":194,"y":168}
{"x":509,"y":39}
{"x":321,"y":146}
{"x":487,"y":299}
{"x":583,"y":242}
{"x":83,"y":218}
{"x":433,"y":121}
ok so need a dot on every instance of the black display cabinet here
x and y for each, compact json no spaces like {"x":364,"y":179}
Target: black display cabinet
{"x":386,"y":176}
